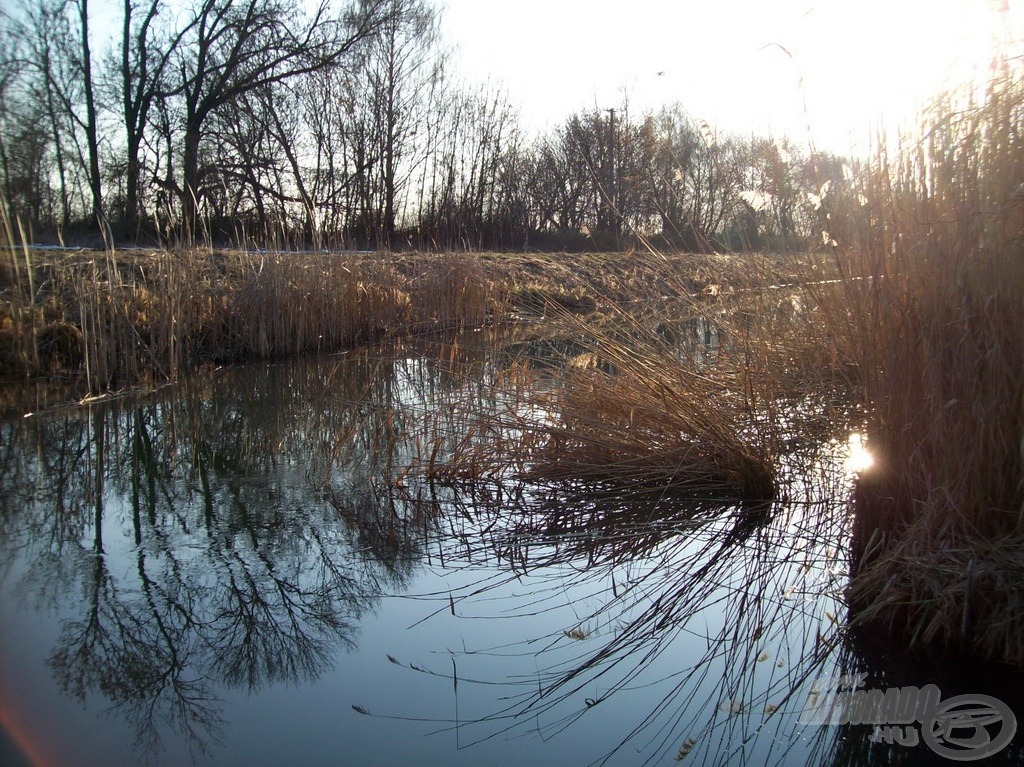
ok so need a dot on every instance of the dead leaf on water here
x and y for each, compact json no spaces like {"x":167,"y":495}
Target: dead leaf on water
{"x":686,"y":748}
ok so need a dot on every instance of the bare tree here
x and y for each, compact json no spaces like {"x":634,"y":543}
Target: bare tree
{"x":694,"y":180}
{"x":90,"y":122}
{"x":472,"y":149}
{"x":398,"y":72}
{"x":48,"y":88}
{"x":235,"y":48}
{"x":147,"y":50}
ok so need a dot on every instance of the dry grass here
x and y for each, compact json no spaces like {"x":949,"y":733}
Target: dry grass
{"x":641,"y":414}
{"x":931,"y":317}
{"x":110,"y":319}
{"x":624,"y":407}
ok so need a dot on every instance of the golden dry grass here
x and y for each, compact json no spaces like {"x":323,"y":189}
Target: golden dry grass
{"x":932,"y":319}
{"x":109,"y":319}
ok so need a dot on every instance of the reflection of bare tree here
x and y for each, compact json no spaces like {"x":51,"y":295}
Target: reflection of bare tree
{"x":129,"y":652}
{"x":199,"y":553}
{"x":279,"y":624}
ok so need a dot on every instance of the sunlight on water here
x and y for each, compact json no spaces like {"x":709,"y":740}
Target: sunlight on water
{"x":858,"y":458}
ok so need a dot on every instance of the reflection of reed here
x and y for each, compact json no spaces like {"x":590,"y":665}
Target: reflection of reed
{"x":756,"y":587}
{"x":263,"y":511}
{"x":663,"y":561}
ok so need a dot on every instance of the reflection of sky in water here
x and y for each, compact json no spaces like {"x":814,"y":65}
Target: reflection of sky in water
{"x":544,"y":625}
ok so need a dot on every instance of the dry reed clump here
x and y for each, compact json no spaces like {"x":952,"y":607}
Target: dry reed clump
{"x":931,"y":316}
{"x":665,"y":426}
{"x":449,"y":291}
{"x":964,"y":593}
{"x":634,"y":411}
{"x":287,"y":305}
{"x":661,"y":389}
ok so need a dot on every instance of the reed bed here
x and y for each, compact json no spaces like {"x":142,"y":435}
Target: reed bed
{"x":109,"y":319}
{"x":929,"y":316}
{"x":626,"y":405}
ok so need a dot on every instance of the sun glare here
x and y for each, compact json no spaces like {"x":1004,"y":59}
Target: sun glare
{"x":858,"y":457}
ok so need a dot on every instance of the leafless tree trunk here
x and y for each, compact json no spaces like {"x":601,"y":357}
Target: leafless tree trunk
{"x":402,"y":66}
{"x":146,"y":52}
{"x":240,"y":47}
{"x":91,"y":130}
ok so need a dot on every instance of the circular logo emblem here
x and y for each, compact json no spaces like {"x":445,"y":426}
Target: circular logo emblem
{"x":969,"y":727}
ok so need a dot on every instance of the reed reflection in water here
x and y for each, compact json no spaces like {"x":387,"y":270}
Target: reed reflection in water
{"x":243,"y":532}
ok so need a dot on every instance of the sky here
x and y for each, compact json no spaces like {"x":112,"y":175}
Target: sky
{"x":827,"y":72}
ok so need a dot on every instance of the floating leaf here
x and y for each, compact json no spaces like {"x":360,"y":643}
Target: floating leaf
{"x":733,"y":706}
{"x":771,"y":708}
{"x":762,"y":657}
{"x":686,"y":748}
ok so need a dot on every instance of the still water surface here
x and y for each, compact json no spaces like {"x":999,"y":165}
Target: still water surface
{"x":242,"y":570}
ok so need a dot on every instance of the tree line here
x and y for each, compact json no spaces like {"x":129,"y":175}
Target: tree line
{"x":267,"y":121}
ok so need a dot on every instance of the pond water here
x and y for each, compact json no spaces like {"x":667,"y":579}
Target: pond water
{"x":242,"y":570}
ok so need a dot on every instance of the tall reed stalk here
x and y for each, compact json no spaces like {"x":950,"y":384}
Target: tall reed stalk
{"x":931,"y":317}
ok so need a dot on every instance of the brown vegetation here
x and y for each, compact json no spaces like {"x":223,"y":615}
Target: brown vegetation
{"x":109,"y":319}
{"x":931,"y":316}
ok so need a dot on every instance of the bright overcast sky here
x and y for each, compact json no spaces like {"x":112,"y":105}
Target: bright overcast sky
{"x":723,"y":60}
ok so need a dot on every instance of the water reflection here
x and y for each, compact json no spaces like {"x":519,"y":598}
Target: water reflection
{"x":238,"y":532}
{"x":194,"y":537}
{"x":752,"y":592}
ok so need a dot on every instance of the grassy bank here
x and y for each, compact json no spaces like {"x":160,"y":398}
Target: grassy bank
{"x":105,"y":320}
